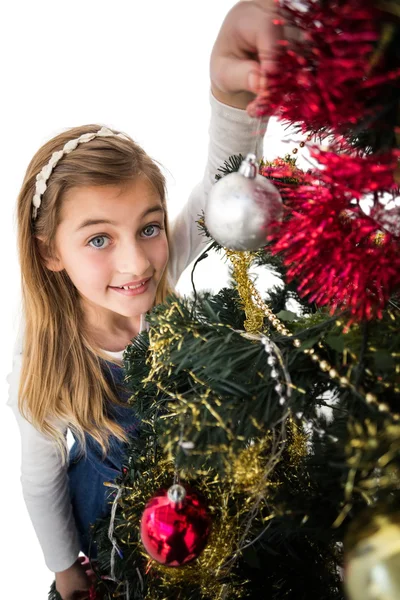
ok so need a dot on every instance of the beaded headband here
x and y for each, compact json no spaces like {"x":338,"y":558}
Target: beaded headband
{"x":43,"y":176}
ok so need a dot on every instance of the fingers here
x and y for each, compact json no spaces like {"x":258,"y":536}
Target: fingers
{"x":86,"y":564}
{"x":237,"y":74}
{"x":247,"y":68}
{"x":244,"y":54}
{"x":281,"y":30}
{"x":267,"y":32}
{"x":91,"y":574}
{"x":260,"y":33}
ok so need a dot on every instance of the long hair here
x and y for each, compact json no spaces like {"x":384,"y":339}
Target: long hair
{"x":62,"y":378}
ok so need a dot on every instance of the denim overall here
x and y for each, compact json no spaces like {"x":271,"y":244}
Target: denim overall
{"x":90,"y":498}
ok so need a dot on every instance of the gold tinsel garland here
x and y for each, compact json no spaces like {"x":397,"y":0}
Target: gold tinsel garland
{"x":241,"y":262}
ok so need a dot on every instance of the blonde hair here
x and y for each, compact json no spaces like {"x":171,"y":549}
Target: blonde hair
{"x":62,"y":377}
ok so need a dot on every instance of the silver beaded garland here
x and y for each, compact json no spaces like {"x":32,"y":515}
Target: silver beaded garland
{"x":273,"y":361}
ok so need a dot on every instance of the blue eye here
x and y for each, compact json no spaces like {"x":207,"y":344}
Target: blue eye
{"x":99,"y":242}
{"x":151,"y":230}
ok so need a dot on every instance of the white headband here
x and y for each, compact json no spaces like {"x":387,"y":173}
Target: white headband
{"x":43,"y":176}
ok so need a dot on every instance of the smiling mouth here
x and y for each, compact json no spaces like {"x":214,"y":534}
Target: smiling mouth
{"x":130,"y":287}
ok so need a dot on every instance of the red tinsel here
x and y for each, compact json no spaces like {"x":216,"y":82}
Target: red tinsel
{"x":329,"y":79}
{"x":341,"y":256}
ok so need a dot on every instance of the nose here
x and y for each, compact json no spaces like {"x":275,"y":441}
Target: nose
{"x":132,"y":259}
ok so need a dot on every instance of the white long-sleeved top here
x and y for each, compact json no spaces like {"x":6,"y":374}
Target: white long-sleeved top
{"x":43,"y":476}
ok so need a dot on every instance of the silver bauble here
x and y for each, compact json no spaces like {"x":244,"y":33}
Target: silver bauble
{"x":241,"y":207}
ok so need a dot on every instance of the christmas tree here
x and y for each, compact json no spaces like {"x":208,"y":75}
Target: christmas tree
{"x":268,"y":460}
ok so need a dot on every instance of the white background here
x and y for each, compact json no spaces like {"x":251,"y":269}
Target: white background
{"x":136,"y":66}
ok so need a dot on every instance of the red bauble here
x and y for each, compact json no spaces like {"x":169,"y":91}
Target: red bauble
{"x":92,"y":593}
{"x":175,"y":526}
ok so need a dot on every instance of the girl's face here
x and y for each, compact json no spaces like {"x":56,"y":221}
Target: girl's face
{"x":111,"y":238}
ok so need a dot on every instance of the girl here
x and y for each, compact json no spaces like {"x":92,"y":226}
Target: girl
{"x":97,"y":252}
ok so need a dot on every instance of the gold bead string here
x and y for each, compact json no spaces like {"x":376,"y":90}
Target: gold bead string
{"x":303,"y":143}
{"x":323,"y":364}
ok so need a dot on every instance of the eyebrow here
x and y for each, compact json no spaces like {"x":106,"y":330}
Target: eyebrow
{"x":89,"y":222}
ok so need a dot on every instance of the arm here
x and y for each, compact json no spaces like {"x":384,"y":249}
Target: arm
{"x":45,"y":486}
{"x":242,"y":54}
{"x":45,"y":489}
{"x":44,"y":482}
{"x":232,"y":131}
